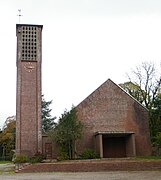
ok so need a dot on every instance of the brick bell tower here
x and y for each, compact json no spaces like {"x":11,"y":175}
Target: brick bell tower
{"x":28,"y":102}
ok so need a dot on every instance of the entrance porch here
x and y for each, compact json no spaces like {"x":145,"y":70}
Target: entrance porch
{"x":115,"y":144}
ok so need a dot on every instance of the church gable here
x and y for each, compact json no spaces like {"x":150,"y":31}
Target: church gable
{"x":109,"y":105}
{"x":110,"y":115}
{"x":108,"y":90}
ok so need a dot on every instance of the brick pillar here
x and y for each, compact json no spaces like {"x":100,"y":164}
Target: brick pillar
{"x":99,"y":145}
{"x":130,"y":145}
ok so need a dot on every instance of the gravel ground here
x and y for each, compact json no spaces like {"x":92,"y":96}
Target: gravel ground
{"x":117,"y":175}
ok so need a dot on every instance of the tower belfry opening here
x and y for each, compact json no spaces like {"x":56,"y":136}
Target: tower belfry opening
{"x":28,"y":107}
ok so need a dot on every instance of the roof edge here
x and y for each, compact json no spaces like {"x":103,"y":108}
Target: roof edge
{"x":118,"y":87}
{"x":92,"y":92}
{"x":32,"y":25}
{"x":130,"y":95}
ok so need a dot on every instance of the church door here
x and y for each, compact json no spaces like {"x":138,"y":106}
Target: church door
{"x":48,"y":150}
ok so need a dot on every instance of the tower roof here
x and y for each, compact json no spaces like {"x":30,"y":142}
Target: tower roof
{"x":31,"y":25}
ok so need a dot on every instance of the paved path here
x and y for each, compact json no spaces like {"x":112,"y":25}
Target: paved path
{"x":5,"y":168}
{"x":117,"y":175}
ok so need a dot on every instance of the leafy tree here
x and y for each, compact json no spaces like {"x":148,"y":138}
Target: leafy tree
{"x":66,"y":132}
{"x":133,"y":90}
{"x":1,"y":148}
{"x":47,"y":120}
{"x":8,"y":136}
{"x":144,"y":85}
{"x":157,"y":139}
{"x":156,"y":117}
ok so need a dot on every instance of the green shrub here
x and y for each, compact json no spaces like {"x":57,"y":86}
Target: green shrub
{"x":38,"y":157}
{"x":21,"y":159}
{"x":89,"y":154}
{"x":62,"y":155}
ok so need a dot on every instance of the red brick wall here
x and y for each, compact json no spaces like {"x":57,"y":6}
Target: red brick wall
{"x":28,"y":107}
{"x":94,"y":166}
{"x":28,"y":110}
{"x":109,"y":108}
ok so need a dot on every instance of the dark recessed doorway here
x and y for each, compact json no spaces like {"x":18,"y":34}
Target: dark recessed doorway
{"x":114,"y":147}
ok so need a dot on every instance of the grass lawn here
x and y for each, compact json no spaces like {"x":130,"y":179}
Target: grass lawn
{"x":5,"y":162}
{"x":149,"y":157}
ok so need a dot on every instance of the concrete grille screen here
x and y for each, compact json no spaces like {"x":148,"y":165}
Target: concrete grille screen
{"x":29,"y":43}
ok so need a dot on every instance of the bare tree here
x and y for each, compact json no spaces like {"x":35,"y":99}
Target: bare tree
{"x":145,"y":76}
{"x":145,"y":85}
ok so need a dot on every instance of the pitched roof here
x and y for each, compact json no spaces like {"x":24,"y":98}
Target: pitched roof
{"x":107,"y":81}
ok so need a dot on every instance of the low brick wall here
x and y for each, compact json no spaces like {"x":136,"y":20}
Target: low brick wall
{"x":94,"y":166}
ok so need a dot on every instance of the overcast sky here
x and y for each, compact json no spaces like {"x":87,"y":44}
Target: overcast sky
{"x":85,"y":42}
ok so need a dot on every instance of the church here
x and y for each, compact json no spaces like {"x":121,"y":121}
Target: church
{"x":115,"y":124}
